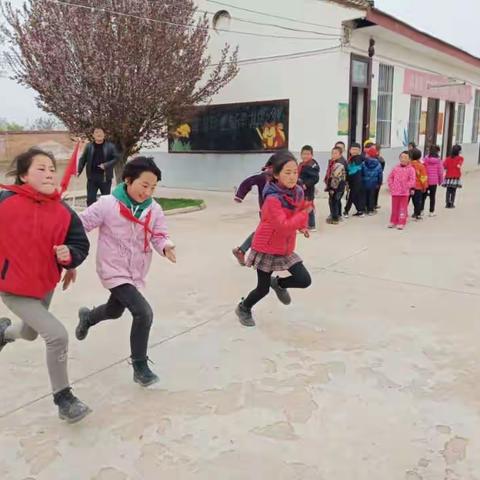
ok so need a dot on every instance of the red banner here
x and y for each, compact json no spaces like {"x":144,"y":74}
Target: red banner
{"x":429,"y":85}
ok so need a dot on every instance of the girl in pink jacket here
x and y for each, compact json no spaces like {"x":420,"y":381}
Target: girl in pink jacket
{"x":434,"y":167}
{"x":400,"y":182}
{"x":130,"y":223}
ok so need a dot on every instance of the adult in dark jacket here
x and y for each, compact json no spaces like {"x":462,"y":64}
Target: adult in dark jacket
{"x":309,"y":176}
{"x":98,"y":158}
{"x":372,"y":175}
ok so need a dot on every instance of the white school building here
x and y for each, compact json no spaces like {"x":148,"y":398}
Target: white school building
{"x":318,"y":72}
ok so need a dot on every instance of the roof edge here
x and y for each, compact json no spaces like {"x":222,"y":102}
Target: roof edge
{"x":400,"y":27}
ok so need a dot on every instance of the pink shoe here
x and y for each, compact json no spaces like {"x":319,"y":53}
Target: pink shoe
{"x":400,"y":227}
{"x":239,"y":255}
{"x":392,"y":225}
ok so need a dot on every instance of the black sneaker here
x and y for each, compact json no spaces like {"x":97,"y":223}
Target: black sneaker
{"x":282,"y":293}
{"x":245,"y":315}
{"x":83,"y":326}
{"x":70,"y":408}
{"x":4,"y":324}
{"x":142,"y":373}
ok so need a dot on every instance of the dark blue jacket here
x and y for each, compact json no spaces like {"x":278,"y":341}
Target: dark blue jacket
{"x":372,"y":173}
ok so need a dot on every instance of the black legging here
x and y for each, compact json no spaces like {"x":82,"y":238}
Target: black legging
{"x":299,"y":278}
{"x":451,"y":193}
{"x":432,"y":193}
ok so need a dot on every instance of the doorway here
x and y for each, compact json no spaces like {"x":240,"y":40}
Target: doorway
{"x":360,"y":88}
{"x":358,"y":105}
{"x":449,"y":126}
{"x":432,"y":123}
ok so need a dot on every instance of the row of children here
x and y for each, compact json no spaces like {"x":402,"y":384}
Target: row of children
{"x":418,"y":180}
{"x":42,"y":235}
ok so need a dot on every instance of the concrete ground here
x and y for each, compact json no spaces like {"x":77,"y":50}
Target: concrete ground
{"x":371,"y":374}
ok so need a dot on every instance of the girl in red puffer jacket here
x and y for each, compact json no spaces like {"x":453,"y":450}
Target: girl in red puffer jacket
{"x":453,"y":175}
{"x":284,"y":212}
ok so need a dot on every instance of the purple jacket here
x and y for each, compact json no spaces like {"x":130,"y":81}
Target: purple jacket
{"x":434,"y":170}
{"x":121,"y":255}
{"x":259,"y":181}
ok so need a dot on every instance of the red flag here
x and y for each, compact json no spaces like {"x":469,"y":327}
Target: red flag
{"x":71,"y":169}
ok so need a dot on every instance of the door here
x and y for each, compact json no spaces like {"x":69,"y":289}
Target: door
{"x":449,"y":126}
{"x":432,"y":122}
{"x":358,"y":103}
{"x":360,"y":86}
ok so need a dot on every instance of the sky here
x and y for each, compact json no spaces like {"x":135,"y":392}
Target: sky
{"x":453,"y":21}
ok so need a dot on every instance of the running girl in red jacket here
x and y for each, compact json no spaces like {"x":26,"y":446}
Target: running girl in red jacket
{"x":40,"y":236}
{"x":284,"y":212}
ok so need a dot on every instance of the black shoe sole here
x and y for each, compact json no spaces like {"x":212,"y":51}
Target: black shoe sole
{"x":75,"y":419}
{"x":78,"y":331}
{"x":245,"y":323}
{"x":146,"y":384}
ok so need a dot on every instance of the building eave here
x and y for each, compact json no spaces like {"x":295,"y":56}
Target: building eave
{"x":388,"y":22}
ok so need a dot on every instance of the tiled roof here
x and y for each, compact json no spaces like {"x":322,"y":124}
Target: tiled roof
{"x":355,"y":3}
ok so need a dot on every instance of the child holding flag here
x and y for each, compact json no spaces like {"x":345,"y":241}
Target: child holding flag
{"x":40,"y":235}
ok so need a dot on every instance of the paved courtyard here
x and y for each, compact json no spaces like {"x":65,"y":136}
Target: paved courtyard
{"x":372,"y":374}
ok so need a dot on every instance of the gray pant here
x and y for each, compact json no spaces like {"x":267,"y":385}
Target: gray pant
{"x":36,"y":319}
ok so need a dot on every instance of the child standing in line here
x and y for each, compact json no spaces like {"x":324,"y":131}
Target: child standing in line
{"x":40,"y":236}
{"x":453,"y":175}
{"x":421,"y":183}
{"x":335,"y":181}
{"x":258,"y":180}
{"x":130,"y":223}
{"x":372,"y":175}
{"x":309,"y":173}
{"x":382,"y":164}
{"x":355,"y":182}
{"x":400,"y":182}
{"x":434,"y":167}
{"x":284,"y":212}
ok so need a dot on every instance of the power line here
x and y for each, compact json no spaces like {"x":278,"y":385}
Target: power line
{"x":286,"y":56}
{"x":273,"y":16}
{"x":166,"y":22}
{"x":275,"y":25}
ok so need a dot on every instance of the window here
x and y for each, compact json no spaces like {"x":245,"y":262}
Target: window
{"x":460,"y":123}
{"x":221,"y":20}
{"x":385,"y":102}
{"x":476,"y":118}
{"x":414,"y":119}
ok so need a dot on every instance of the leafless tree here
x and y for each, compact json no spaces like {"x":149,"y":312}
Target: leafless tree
{"x":129,"y":66}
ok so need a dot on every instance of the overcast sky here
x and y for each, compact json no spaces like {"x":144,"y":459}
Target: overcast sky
{"x":456,"y":22}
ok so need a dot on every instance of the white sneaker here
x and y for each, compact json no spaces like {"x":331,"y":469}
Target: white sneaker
{"x":432,"y":215}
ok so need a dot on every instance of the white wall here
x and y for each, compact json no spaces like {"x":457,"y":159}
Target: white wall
{"x":314,"y":85}
{"x":394,"y":50}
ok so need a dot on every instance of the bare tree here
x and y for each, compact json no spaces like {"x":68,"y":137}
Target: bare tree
{"x":46,"y":123}
{"x":129,"y":66}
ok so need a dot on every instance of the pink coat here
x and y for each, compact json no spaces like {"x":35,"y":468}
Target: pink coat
{"x":434,"y":170}
{"x":401,"y":180}
{"x":121,"y":255}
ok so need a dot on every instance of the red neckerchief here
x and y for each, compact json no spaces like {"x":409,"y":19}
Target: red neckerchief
{"x":127,"y":213}
{"x":27,"y":191}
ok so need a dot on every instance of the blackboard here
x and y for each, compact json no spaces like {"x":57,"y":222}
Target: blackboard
{"x":235,"y":127}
